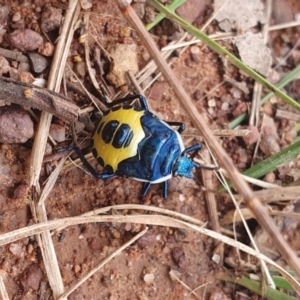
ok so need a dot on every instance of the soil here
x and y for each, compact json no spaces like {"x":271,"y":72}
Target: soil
{"x":142,"y":271}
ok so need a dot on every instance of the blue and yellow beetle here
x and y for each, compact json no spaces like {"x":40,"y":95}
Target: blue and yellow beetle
{"x":130,"y":141}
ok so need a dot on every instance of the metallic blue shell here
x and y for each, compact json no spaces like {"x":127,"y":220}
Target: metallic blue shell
{"x":157,"y":152}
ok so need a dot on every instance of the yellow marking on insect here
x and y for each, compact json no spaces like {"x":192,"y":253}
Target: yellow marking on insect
{"x":111,"y":155}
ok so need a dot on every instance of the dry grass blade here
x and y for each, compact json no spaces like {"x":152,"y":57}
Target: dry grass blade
{"x":223,"y":159}
{"x":141,"y":219}
{"x":274,"y":194}
{"x":40,"y":214}
{"x":51,"y":181}
{"x":254,"y":114}
{"x":212,"y":206}
{"x":100,"y":264}
{"x":3,"y":291}
{"x":173,"y":275}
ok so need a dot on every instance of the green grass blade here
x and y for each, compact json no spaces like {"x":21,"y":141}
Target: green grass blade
{"x":225,"y":53}
{"x":273,"y":162}
{"x":256,"y":287}
{"x":174,"y":5}
{"x":282,"y":283}
{"x":286,"y":80}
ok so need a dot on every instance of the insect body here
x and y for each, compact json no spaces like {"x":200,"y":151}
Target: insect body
{"x":130,"y":141}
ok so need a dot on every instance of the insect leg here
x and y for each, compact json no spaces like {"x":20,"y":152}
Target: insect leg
{"x":165,"y":189}
{"x":145,"y":188}
{"x":78,"y":151}
{"x":180,"y":124}
{"x":194,"y":148}
{"x":142,"y":99}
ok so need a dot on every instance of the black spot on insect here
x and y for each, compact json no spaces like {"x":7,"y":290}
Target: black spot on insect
{"x":100,"y":161}
{"x":109,"y":130}
{"x":94,"y":151}
{"x":128,"y":139}
{"x":115,"y":108}
{"x":121,"y":135}
{"x":109,"y":169}
{"x":138,"y":108}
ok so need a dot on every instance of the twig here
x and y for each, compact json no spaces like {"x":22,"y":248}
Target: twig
{"x":283,"y":114}
{"x":33,"y":96}
{"x":14,"y":55}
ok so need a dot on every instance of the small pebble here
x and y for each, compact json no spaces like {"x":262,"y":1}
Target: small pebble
{"x":86,"y":4}
{"x":30,"y":249}
{"x":145,"y":55}
{"x":224,"y":105}
{"x":16,"y":17}
{"x":216,"y":295}
{"x":81,"y":69}
{"x":270,"y":177}
{"x":150,"y":14}
{"x":16,"y":249}
{"x":116,"y":234}
{"x":195,"y":50}
{"x":178,"y":256}
{"x":216,"y":258}
{"x":47,"y":49}
{"x":236,"y":93}
{"x":147,"y":239}
{"x":139,"y":9}
{"x":58,"y":132}
{"x":149,"y":278}
{"x":212,"y":102}
{"x":77,"y":269}
{"x":125,"y":31}
{"x":181,"y":197}
{"x":38,"y":62}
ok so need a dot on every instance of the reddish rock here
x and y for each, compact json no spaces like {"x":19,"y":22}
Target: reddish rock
{"x":31,"y":278}
{"x":191,"y":9}
{"x":25,"y":40}
{"x":178,"y":256}
{"x":51,"y":19}
{"x":15,"y":125}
